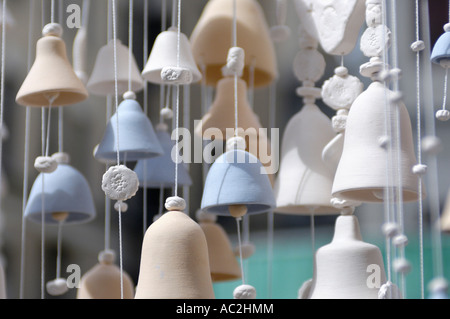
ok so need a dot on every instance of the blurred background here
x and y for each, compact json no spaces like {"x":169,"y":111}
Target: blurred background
{"x":274,"y":276}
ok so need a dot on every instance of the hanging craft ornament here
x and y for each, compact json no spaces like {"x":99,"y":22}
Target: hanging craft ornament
{"x":120,"y":183}
{"x":102,"y":80}
{"x":280,"y":32}
{"x":211,"y":36}
{"x":440,"y":55}
{"x":51,"y":77}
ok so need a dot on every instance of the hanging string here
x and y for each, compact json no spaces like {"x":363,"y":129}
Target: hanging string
{"x":444,"y":100}
{"x":240,"y":248}
{"x":174,"y":12}
{"x":186,"y":119}
{"x":234,"y":41}
{"x":52,"y":11}
{"x":130,"y":42}
{"x":145,"y":90}
{"x":419,"y":153}
{"x":58,"y":249}
{"x":117,"y":140}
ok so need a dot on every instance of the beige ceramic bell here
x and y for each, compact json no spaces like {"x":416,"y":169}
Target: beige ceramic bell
{"x":164,"y":54}
{"x":445,"y":217}
{"x":362,"y":169}
{"x":174,"y":260}
{"x":102,"y":81}
{"x":222,"y":260}
{"x":212,"y":38}
{"x":303,"y":184}
{"x":348,"y":267}
{"x":51,"y":77}
{"x":103,"y":281}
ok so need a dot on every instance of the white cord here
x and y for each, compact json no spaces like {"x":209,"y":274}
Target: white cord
{"x":145,"y":58}
{"x":240,"y":248}
{"x":130,"y":42}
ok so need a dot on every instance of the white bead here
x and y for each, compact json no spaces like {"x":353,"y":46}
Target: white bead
{"x":375,"y":40}
{"x":120,"y":183}
{"x":244,"y":292}
{"x":307,"y":91}
{"x":373,"y":13}
{"x":438,"y":284}
{"x":236,"y":142}
{"x":340,"y":203}
{"x":166,"y":113}
{"x":176,"y":75}
{"x":61,"y":158}
{"x":175,"y":203}
{"x":45,"y":164}
{"x":236,"y":60}
{"x":340,"y":92}
{"x":52,"y":29}
{"x":443,"y":115}
{"x":248,"y":249}
{"x":396,"y":97}
{"x":383,"y":141}
{"x":162,"y":127}
{"x":390,"y":229}
{"x":419,"y":169}
{"x":57,"y":287}
{"x":372,"y":68}
{"x":107,"y":257}
{"x":203,"y":216}
{"x":401,"y":265}
{"x":341,"y":71}
{"x":280,"y":33}
{"x":121,"y":205}
{"x":347,"y":210}
{"x":389,"y":290}
{"x":395,"y":73}
{"x":447,"y":27}
{"x":4,"y":132}
{"x":417,"y":46}
{"x":309,"y":65}
{"x":400,"y":240}
{"x":305,"y":289}
{"x":129,"y":95}
{"x":431,"y":145}
{"x":338,"y":123}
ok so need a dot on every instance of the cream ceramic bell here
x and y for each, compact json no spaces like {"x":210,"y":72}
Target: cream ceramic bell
{"x":164,"y":54}
{"x":445,"y":217}
{"x":102,"y":82}
{"x":303,"y":184}
{"x":103,"y":281}
{"x":174,"y":260}
{"x":348,"y":267}
{"x":51,"y":79}
{"x":222,"y":260}
{"x":212,"y":36}
{"x":362,"y":169}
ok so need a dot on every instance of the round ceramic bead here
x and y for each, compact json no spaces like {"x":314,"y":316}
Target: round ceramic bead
{"x":443,"y":115}
{"x":308,"y":91}
{"x":166,"y":113}
{"x":390,"y":229}
{"x":176,"y":75}
{"x":396,"y":97}
{"x":45,"y":164}
{"x":236,"y":60}
{"x":340,"y":92}
{"x":375,"y":40}
{"x":341,"y":71}
{"x":121,"y":206}
{"x":419,"y":169}
{"x":244,"y":292}
{"x":338,"y":123}
{"x":57,"y":287}
{"x":349,"y":210}
{"x":120,"y":183}
{"x":438,"y":284}
{"x":383,"y":141}
{"x":395,"y":73}
{"x":340,"y":203}
{"x":401,"y":265}
{"x":447,"y":27}
{"x":236,"y":142}
{"x":107,"y":257}
{"x":280,"y":33}
{"x":373,"y":13}
{"x":400,"y":240}
{"x":417,"y":46}
{"x":129,"y":95}
{"x":52,"y":29}
{"x":203,"y":216}
{"x":309,"y":65}
{"x":61,"y":158}
{"x":175,"y":203}
{"x":389,"y":291}
{"x":431,"y":145}
{"x":247,"y":250}
{"x":372,"y":68}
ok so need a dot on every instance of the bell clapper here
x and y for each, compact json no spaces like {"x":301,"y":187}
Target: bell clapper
{"x":237,"y":211}
{"x":60,"y":216}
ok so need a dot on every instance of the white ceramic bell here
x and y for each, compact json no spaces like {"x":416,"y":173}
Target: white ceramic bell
{"x":362,"y":169}
{"x":348,"y":267}
{"x":102,"y":82}
{"x":164,"y":54}
{"x":174,"y":260}
{"x":212,"y":38}
{"x":304,"y":181}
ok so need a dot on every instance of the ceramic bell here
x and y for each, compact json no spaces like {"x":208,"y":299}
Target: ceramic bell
{"x":445,"y":216}
{"x":341,"y":267}
{"x":103,"y":282}
{"x":51,"y":79}
{"x":303,"y":184}
{"x":212,"y":38}
{"x":361,"y":173}
{"x":102,"y":80}
{"x":137,"y":139}
{"x":2,"y":283}
{"x":222,"y":260}
{"x":164,"y":53}
{"x":237,"y":179}
{"x":159,"y":171}
{"x":174,"y":260}
{"x":441,"y":49}
{"x":66,"y":191}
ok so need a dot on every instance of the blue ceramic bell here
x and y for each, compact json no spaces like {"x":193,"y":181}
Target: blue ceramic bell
{"x":237,"y":184}
{"x":137,"y":138}
{"x":441,"y":49}
{"x":160,"y":170}
{"x":66,"y":191}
